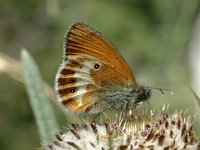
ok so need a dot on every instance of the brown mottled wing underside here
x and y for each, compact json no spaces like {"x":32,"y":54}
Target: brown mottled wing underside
{"x":79,"y":82}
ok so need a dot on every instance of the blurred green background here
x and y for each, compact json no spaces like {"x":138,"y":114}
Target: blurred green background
{"x":152,"y":36}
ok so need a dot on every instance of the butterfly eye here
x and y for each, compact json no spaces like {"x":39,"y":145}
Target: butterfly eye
{"x":72,"y":90}
{"x":96,"y":66}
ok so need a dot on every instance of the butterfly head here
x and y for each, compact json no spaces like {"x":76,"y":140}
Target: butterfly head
{"x":142,"y":93}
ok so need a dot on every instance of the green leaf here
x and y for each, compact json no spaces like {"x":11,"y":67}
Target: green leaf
{"x":41,"y":105}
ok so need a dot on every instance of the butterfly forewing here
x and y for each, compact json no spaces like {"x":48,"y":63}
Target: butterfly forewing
{"x":83,"y":40}
{"x":91,"y":66}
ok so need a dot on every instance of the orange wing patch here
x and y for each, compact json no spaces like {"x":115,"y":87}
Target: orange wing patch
{"x":83,"y":40}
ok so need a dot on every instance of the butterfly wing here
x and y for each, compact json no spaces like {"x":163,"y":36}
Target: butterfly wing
{"x":91,"y":66}
{"x":84,"y":40}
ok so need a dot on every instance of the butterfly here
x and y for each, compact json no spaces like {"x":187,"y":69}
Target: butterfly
{"x":93,"y":76}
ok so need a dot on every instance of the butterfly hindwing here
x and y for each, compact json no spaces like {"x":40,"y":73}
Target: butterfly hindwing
{"x":72,"y":80}
{"x":79,"y":83}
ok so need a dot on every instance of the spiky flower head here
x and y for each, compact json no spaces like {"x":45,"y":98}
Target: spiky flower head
{"x":162,"y":132}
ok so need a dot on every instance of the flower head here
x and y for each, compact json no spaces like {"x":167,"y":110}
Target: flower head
{"x":162,"y":132}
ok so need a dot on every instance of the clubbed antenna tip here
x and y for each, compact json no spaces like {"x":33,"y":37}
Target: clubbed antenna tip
{"x":162,"y":90}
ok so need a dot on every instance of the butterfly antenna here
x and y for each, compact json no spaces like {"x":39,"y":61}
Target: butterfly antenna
{"x":162,"y":90}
